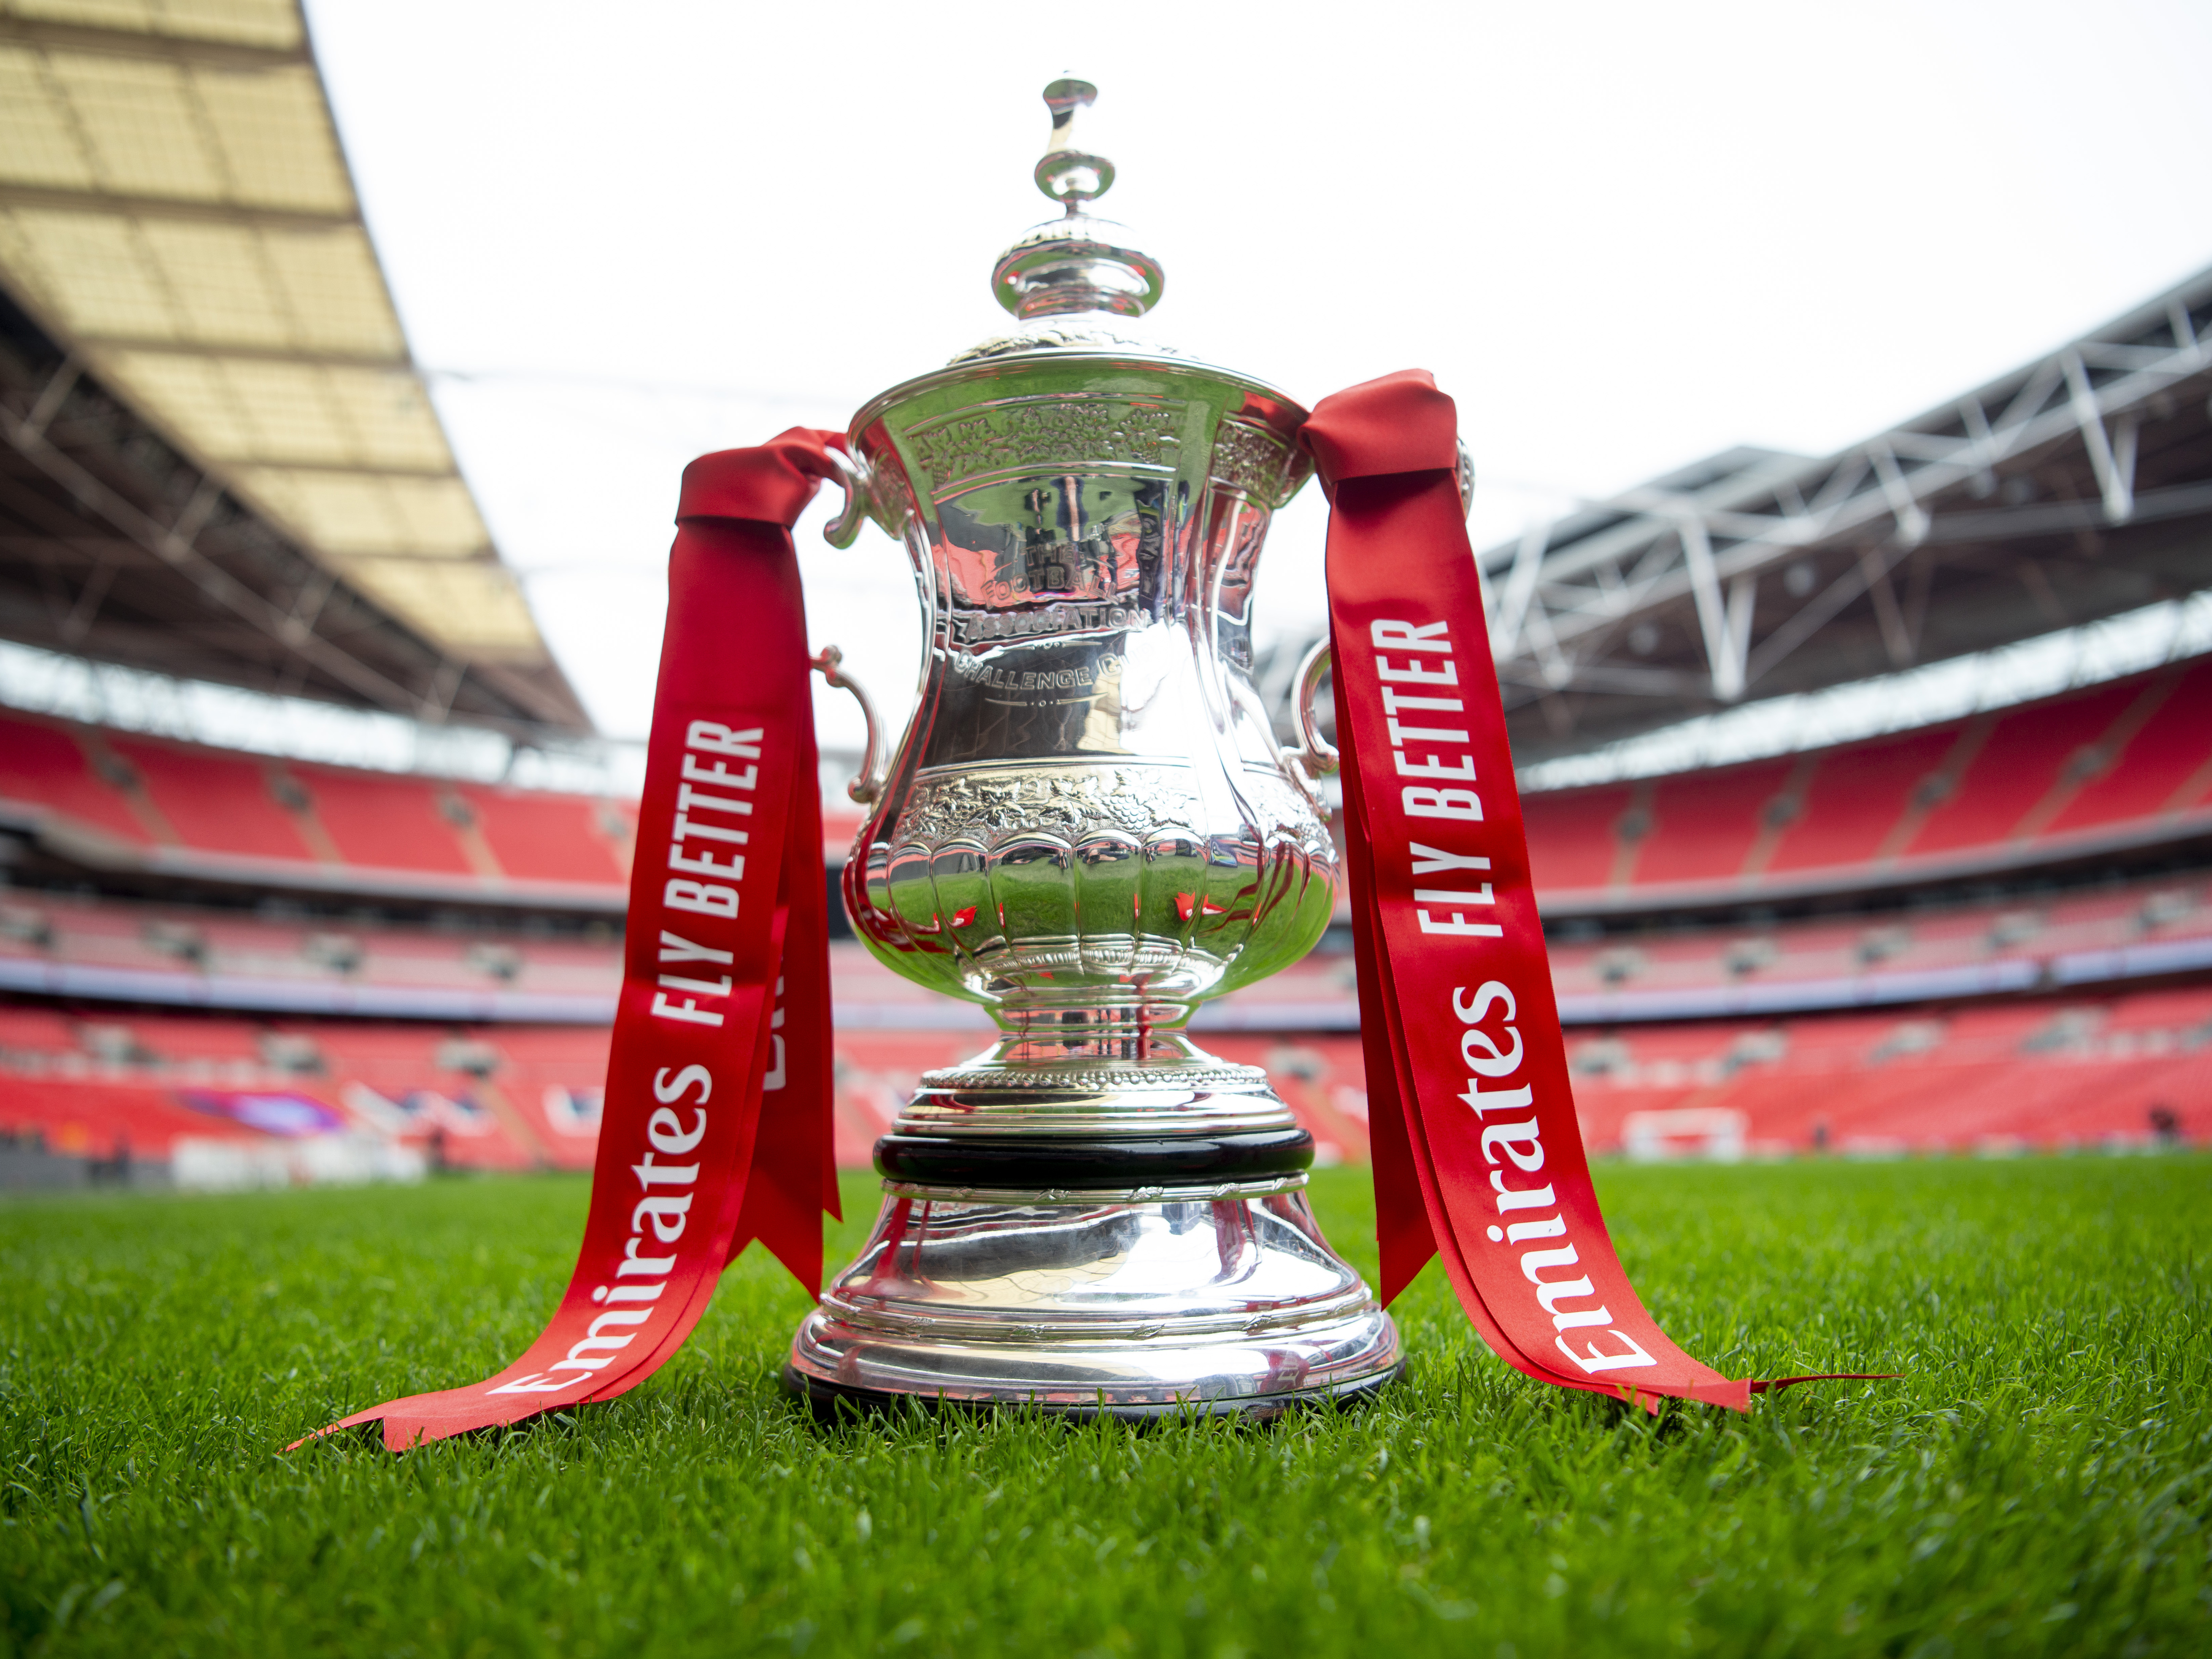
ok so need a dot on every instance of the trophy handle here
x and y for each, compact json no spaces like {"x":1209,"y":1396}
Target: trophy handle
{"x":845,"y":529}
{"x":869,"y":783}
{"x":1314,"y":753}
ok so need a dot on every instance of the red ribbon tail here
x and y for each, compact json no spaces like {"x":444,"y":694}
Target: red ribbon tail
{"x":1478,"y":1156}
{"x":716,"y":1124}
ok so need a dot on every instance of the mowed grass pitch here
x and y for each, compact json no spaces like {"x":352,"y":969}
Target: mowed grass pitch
{"x":2038,"y":1482}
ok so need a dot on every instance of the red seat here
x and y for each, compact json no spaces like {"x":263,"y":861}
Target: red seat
{"x":216,"y":803}
{"x":1572,"y":836}
{"x":41,"y":765}
{"x":2025,"y":757}
{"x":383,"y":822}
{"x":1704,"y":823}
{"x":104,"y":1118}
{"x":2155,"y":773}
{"x":1857,"y":796}
{"x":545,"y":838}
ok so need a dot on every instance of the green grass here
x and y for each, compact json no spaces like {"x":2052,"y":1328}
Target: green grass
{"x":2036,"y":1483}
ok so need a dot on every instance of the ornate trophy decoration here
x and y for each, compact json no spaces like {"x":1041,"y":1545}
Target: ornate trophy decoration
{"x":1088,"y":829}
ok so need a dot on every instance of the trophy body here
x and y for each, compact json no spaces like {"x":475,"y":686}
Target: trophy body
{"x":1089,"y":828}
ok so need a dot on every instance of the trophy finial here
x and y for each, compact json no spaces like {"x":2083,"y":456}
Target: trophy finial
{"x":1066,"y":172}
{"x":1076,"y":263}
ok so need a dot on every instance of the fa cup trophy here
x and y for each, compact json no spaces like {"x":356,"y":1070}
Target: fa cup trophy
{"x":1089,"y":828}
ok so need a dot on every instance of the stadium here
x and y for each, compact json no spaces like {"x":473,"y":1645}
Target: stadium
{"x":1991,"y":930}
{"x":1869,"y":795}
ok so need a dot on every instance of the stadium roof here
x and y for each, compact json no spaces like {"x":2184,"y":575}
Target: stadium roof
{"x":203,"y":357}
{"x":2076,"y":487}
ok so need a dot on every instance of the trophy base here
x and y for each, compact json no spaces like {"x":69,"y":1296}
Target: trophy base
{"x":1133,"y":1301}
{"x":828,"y":1401}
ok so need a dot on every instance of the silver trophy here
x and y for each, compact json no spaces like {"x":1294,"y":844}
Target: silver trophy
{"x":1089,"y":828}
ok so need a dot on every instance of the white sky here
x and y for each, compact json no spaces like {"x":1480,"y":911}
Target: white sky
{"x":1623,"y":236}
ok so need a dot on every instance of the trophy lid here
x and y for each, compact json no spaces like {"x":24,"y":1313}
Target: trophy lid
{"x":1077,"y":262}
{"x":1073,"y":283}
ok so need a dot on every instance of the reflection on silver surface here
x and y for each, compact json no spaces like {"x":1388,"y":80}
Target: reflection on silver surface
{"x":1205,"y":1302}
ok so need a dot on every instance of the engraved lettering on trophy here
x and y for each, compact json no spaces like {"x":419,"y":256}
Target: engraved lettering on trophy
{"x":1081,"y":430}
{"x":1079,"y":678}
{"x":983,"y":628}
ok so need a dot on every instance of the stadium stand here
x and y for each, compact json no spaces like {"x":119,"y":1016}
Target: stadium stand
{"x":226,"y":970}
{"x":315,"y":914}
{"x":49,"y":781}
{"x":2119,"y":768}
{"x":125,"y":803}
{"x":2128,"y":1074}
{"x":371,"y":823}
{"x":520,"y":986}
{"x":182,"y":956}
{"x":1971,"y":798}
{"x":2125,"y":1073}
{"x":1843,"y":815}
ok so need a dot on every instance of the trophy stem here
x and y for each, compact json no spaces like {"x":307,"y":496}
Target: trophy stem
{"x":1058,"y":1036}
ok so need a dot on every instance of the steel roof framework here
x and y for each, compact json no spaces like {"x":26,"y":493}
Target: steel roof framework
{"x":1637,"y":608}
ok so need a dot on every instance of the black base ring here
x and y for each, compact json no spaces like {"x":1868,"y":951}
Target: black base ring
{"x":1033,"y":1163}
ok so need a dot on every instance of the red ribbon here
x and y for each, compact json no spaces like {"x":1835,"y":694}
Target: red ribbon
{"x":1477,"y":1154}
{"x":726,"y":972}
{"x":725,"y":993}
